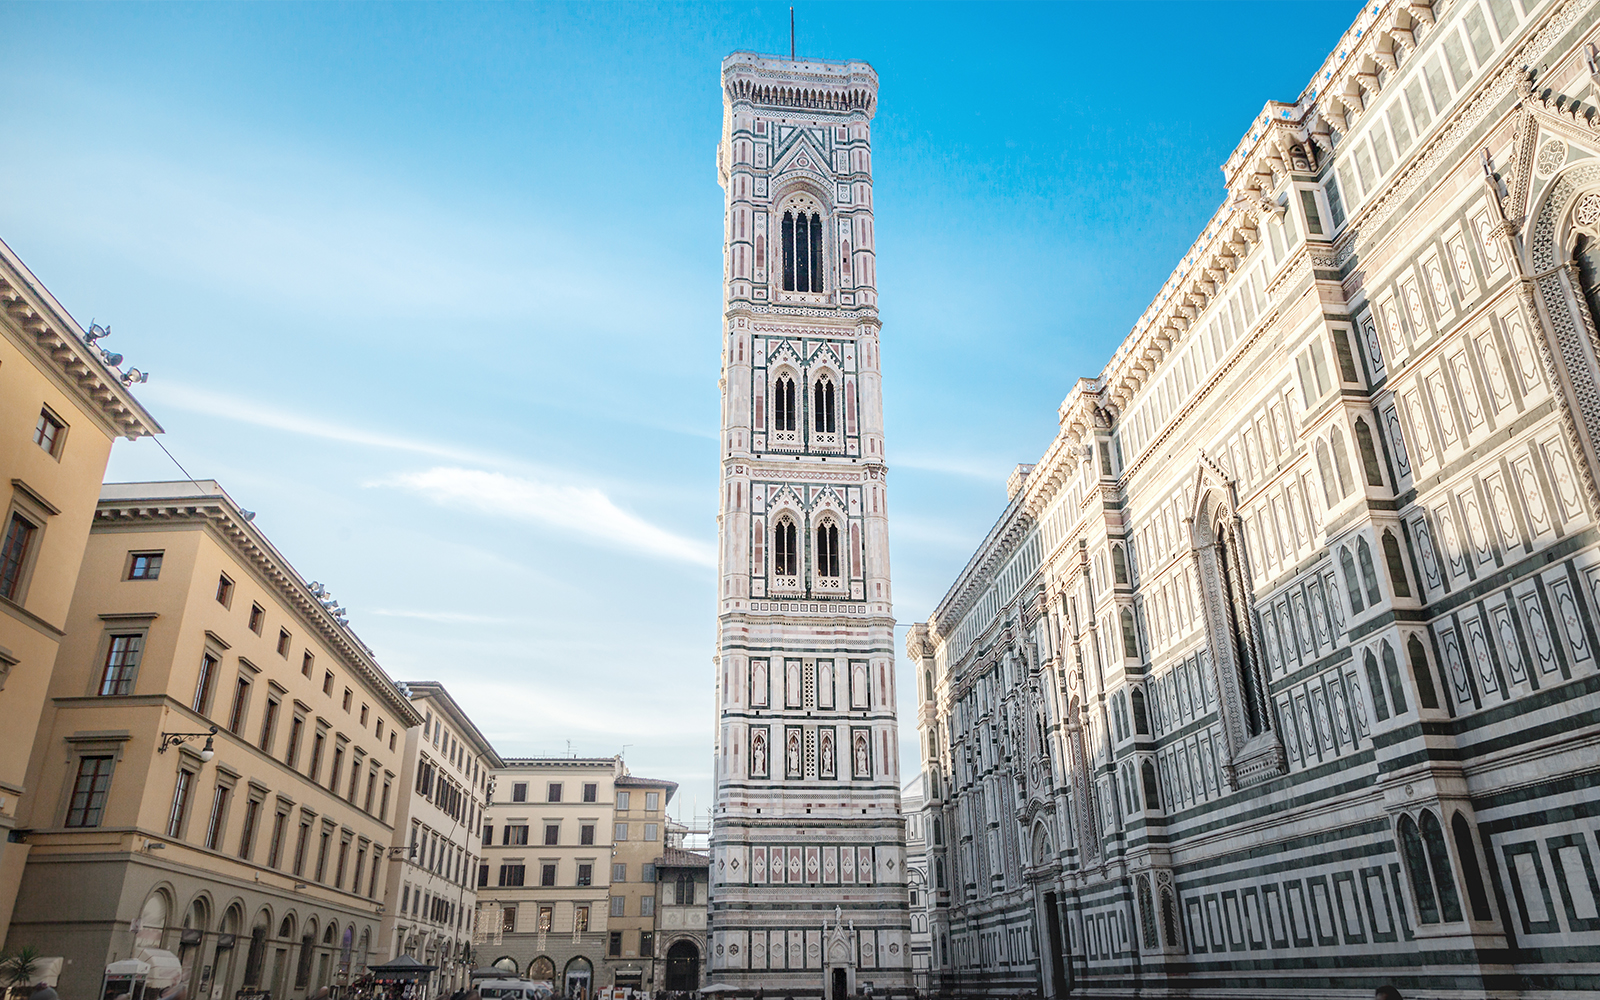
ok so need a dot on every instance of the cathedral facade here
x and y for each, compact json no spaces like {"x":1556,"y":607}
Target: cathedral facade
{"x":808,"y":882}
{"x":1278,"y":674}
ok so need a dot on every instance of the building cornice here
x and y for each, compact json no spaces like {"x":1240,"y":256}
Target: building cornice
{"x":436,"y":694}
{"x":217,"y":511}
{"x":46,"y":331}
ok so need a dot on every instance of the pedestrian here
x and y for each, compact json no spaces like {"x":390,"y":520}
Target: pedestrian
{"x":43,"y":991}
{"x":1384,"y":992}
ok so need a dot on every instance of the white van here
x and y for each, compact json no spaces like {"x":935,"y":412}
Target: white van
{"x":513,"y":989}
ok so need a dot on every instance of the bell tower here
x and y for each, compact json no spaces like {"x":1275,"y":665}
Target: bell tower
{"x":808,"y":882}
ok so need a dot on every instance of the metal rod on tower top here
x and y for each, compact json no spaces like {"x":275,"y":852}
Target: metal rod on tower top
{"x":791,"y":34}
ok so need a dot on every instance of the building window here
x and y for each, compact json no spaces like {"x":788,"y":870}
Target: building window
{"x":258,"y":616}
{"x":552,"y":835}
{"x":180,"y":803}
{"x":547,"y":875}
{"x":247,"y":836}
{"x":586,"y":834}
{"x":650,"y":830}
{"x":283,"y":643}
{"x":554,"y":792}
{"x":822,"y":405}
{"x":224,"y":590}
{"x":89,"y":792}
{"x":783,"y":404}
{"x":586,"y":874}
{"x":219,"y":817}
{"x":144,"y":566}
{"x":48,"y":433}
{"x":349,"y":697}
{"x":580,"y":919}
{"x":508,"y":918}
{"x":483,"y":876}
{"x":802,"y":252}
{"x":318,"y":741}
{"x":241,"y":703}
{"x":14,"y":555}
{"x":621,"y":832}
{"x":327,"y":683}
{"x":615,"y":947}
{"x":624,"y":801}
{"x":122,"y":662}
{"x":591,"y":792}
{"x":652,"y":801}
{"x":828,"y":550}
{"x":619,"y":873}
{"x":515,"y":835}
{"x":647,"y":906}
{"x":292,"y":754}
{"x":647,"y":939}
{"x":684,"y":890}
{"x":519,"y":792}
{"x":202,"y":687}
{"x":1230,"y":566}
{"x":488,"y":834}
{"x":306,"y":662}
{"x":785,"y":552}
{"x":647,"y":872}
{"x":364,"y":717}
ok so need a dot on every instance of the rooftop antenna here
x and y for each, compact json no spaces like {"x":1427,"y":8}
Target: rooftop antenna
{"x":791,"y":34}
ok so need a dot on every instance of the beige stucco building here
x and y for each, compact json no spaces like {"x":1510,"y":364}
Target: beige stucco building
{"x":430,"y":889}
{"x":639,"y":835}
{"x":553,"y":829}
{"x":61,"y":407}
{"x":253,"y":856}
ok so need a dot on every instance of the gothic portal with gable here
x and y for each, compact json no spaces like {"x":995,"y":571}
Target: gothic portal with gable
{"x":1278,"y":674}
{"x":808,"y":884}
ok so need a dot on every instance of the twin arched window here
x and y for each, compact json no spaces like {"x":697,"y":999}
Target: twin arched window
{"x":783,"y":405}
{"x":826,"y":422}
{"x":802,"y":252}
{"x":828,"y":550}
{"x":785,"y":553}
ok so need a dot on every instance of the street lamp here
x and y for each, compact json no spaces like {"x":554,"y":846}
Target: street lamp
{"x":174,"y":739}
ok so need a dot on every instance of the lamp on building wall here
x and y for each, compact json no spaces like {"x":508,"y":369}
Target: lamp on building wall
{"x":174,"y":739}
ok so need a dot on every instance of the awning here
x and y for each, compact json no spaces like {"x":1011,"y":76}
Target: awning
{"x":165,"y":969}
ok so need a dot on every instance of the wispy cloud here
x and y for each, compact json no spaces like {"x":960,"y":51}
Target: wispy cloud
{"x":442,"y":617}
{"x":993,"y":470}
{"x":229,"y":407}
{"x":583,"y":510}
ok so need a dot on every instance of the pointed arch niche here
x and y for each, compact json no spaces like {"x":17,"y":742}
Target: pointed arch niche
{"x":1234,"y":648}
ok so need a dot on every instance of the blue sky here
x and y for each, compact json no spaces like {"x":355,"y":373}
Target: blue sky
{"x":435,"y":290}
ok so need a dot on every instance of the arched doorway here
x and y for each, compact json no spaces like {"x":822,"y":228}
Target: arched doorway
{"x":542,"y":970}
{"x":507,"y":964}
{"x":579,"y":974}
{"x":683,"y":966}
{"x":196,"y":972}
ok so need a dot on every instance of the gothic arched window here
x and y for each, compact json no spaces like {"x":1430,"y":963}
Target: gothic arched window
{"x":1469,"y":868}
{"x":1330,"y":486}
{"x":1439,"y":860}
{"x":822,"y":405}
{"x":1369,"y":454}
{"x":785,"y":555}
{"x":828,"y":550}
{"x":1426,"y":694}
{"x":1230,"y":565}
{"x":1341,"y":463}
{"x":1417,"y":868}
{"x":1119,"y":565}
{"x":1397,"y":567}
{"x":1351,"y":585}
{"x":1369,"y":572}
{"x":783,"y":404}
{"x":802,"y":251}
